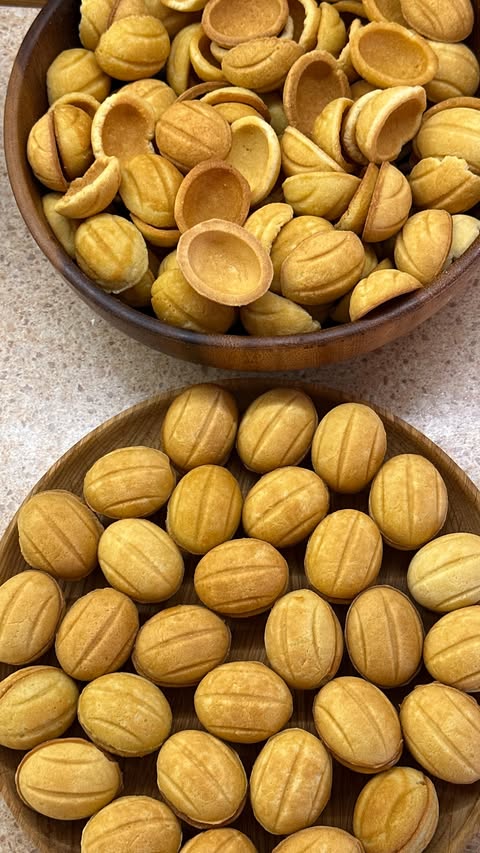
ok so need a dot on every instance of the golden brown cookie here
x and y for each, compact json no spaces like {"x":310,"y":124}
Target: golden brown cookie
{"x":443,"y":575}
{"x":59,"y":534}
{"x":379,"y":822}
{"x":111,"y":251}
{"x":452,"y":649}
{"x":129,"y":482}
{"x":168,"y":649}
{"x":284,"y":506}
{"x":408,"y":501}
{"x":31,"y":607}
{"x":349,"y":447}
{"x":241,"y":578}
{"x":97,"y":634}
{"x":124,"y":714}
{"x":202,"y":779}
{"x":303,"y":640}
{"x":216,"y":840}
{"x":291,"y":782}
{"x":441,"y":726}
{"x":134,"y":821}
{"x":384,"y":636}
{"x":243,"y":702}
{"x":358,"y":724}
{"x":67,"y":779}
{"x":324,"y":839}
{"x":276,"y":430}
{"x":199,"y":427}
{"x":204,"y":509}
{"x":139,"y":559}
{"x":344,"y":555}
{"x":37,"y":703}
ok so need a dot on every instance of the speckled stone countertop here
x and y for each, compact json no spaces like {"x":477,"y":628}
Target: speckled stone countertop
{"x":63,"y":370}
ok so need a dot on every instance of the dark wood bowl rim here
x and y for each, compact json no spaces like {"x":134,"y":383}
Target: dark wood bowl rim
{"x":41,"y":233}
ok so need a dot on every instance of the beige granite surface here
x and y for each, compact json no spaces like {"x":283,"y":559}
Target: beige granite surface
{"x":63,"y":371}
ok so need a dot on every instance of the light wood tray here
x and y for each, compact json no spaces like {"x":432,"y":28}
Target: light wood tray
{"x":459,"y":827}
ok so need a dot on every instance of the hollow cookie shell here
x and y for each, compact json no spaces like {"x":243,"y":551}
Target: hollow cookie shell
{"x":201,"y":778}
{"x":291,"y":235}
{"x":58,"y":534}
{"x":241,"y":578}
{"x":300,"y":155}
{"x":313,"y":81}
{"x":122,"y":127}
{"x":458,"y":72}
{"x":291,"y":782}
{"x":321,"y":839}
{"x":63,"y":228}
{"x":454,"y":131}
{"x":439,"y":19}
{"x":445,"y":183}
{"x":168,"y":650}
{"x":396,"y":810}
{"x":408,"y":501}
{"x":256,"y":154}
{"x":378,"y":288}
{"x":387,"y":54}
{"x":323,"y":267}
{"x":67,"y":779}
{"x":220,"y":841}
{"x":284,"y":506}
{"x":149,"y":187}
{"x":325,"y":194}
{"x":130,"y":822}
{"x":344,"y":555}
{"x":124,"y":714}
{"x":358,"y":724}
{"x":224,"y":263}
{"x":384,"y":636}
{"x":261,"y":64}
{"x":208,"y":136}
{"x":212,"y":190}
{"x":276,"y":430}
{"x":76,"y":70}
{"x":230,"y":25}
{"x":303,"y":640}
{"x":31,"y":607}
{"x":389,"y":120}
{"x":111,"y":251}
{"x":97,"y":634}
{"x":349,"y":447}
{"x":389,"y":205}
{"x":273,"y":315}
{"x":36,"y":704}
{"x":422,"y":247}
{"x":243,"y":702}
{"x":133,"y":47}
{"x":441,"y":726}
{"x":266,"y":223}
{"x":175,"y":302}
{"x":443,"y":575}
{"x":93,"y":192}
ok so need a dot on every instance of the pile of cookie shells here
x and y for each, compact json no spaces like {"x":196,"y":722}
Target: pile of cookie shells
{"x":236,"y":534}
{"x":265,"y":168}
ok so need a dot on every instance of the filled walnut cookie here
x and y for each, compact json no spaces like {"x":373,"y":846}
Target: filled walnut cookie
{"x":358,"y":724}
{"x":220,"y":841}
{"x":291,"y":782}
{"x":133,"y":821}
{"x":324,"y":839}
{"x":451,"y":651}
{"x":167,"y":649}
{"x":404,"y":482}
{"x":31,"y":608}
{"x":200,"y":426}
{"x":67,"y":779}
{"x":59,"y":534}
{"x":130,"y":482}
{"x":241,"y":578}
{"x":303,"y":640}
{"x":243,"y":702}
{"x":382,"y":825}
{"x":201,"y":779}
{"x":37,"y":703}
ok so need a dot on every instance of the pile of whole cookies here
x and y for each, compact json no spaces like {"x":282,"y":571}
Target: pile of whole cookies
{"x":201,"y":777}
{"x":298,"y":165}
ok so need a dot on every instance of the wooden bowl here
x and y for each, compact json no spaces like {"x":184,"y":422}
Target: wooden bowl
{"x":54,"y":30}
{"x":459,"y":827}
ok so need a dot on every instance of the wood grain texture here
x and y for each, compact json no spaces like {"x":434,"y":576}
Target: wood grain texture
{"x":459,"y":827}
{"x":56,"y":29}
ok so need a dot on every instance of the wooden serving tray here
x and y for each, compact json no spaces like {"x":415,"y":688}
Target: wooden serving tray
{"x":459,"y":827}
